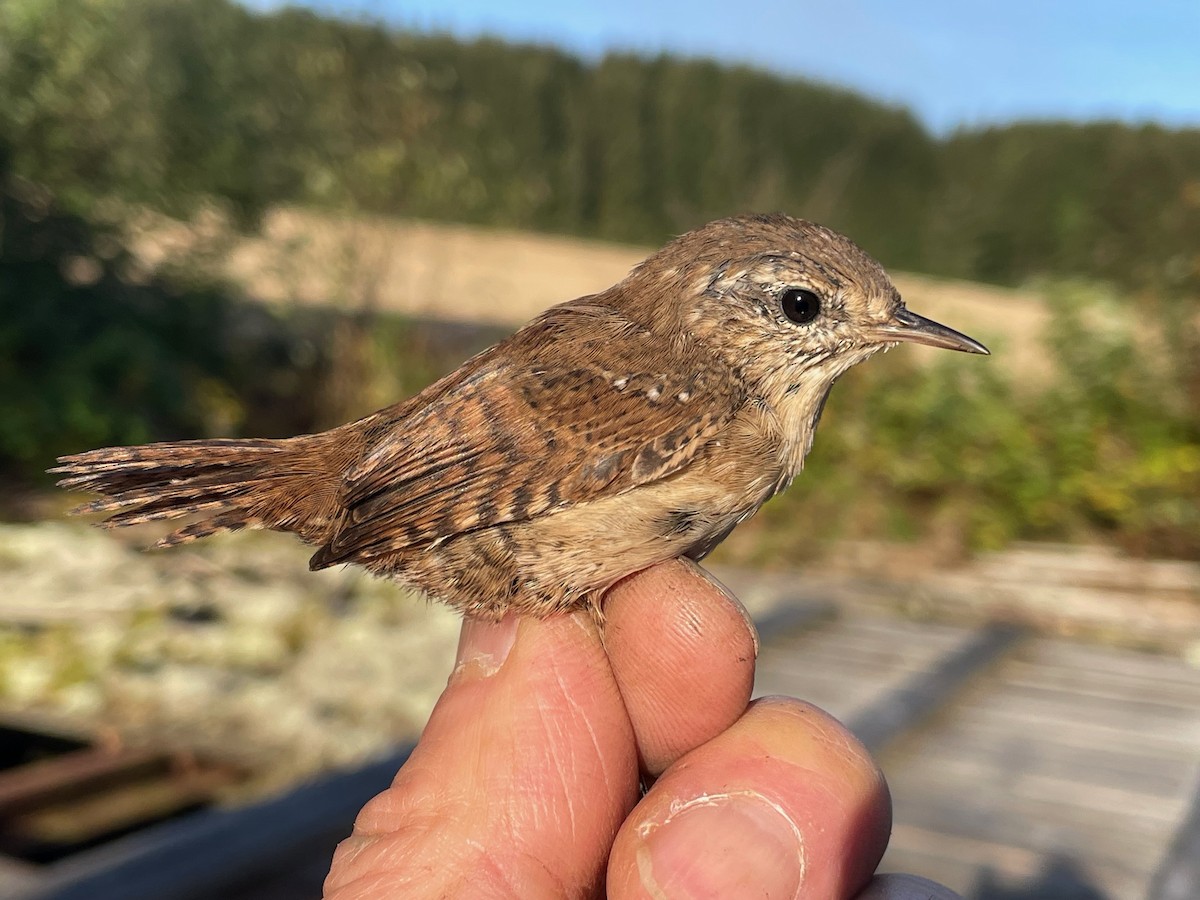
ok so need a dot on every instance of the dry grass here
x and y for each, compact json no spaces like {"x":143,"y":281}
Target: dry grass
{"x":463,"y":273}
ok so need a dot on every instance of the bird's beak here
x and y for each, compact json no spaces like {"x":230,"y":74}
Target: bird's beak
{"x":908,"y":326}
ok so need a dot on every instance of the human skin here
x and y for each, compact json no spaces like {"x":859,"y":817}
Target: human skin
{"x":527,"y":781}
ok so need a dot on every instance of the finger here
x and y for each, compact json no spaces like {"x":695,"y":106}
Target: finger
{"x":528,"y":748}
{"x":682,"y":649}
{"x":784,"y":804}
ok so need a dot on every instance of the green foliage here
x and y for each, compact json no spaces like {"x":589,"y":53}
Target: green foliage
{"x":1100,"y":200}
{"x":170,"y":101}
{"x":173,"y":102}
{"x":1107,"y":448}
{"x":91,"y":356}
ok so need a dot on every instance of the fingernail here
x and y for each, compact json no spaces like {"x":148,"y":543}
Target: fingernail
{"x":719,"y":846}
{"x":484,"y":646}
{"x":730,"y":595}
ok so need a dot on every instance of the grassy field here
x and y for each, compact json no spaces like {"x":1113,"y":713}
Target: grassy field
{"x":465,"y":274}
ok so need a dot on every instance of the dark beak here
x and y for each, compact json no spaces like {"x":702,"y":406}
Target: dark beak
{"x":908,"y":326}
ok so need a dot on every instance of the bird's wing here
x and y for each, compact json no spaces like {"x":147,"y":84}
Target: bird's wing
{"x":529,"y":431}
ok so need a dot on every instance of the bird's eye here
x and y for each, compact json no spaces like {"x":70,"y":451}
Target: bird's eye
{"x":800,"y":306}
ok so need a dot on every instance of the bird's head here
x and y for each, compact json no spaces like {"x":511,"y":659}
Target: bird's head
{"x":790,"y":304}
{"x":787,"y":301}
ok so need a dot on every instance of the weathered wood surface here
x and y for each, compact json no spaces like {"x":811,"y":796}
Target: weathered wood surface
{"x":1034,"y":768}
{"x":1090,"y":591}
{"x":261,"y":849}
{"x":1065,"y":765}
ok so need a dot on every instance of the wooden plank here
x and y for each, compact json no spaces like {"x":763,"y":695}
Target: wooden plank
{"x":1083,"y":762}
{"x":1038,"y":800}
{"x":1077,"y":683}
{"x":1083,"y":751}
{"x":983,"y":869}
{"x":1091,"y":767}
{"x":1009,"y":727}
{"x":958,"y":874}
{"x":1089,"y":660}
{"x":788,"y":619}
{"x":830,"y":690}
{"x":1103,"y":570}
{"x":879,"y":645}
{"x":83,"y":818}
{"x":72,"y":773}
{"x":1116,"y":856}
{"x":963,"y":847}
{"x":888,"y":627}
{"x":201,"y":855}
{"x":925,"y":692}
{"x":848,"y":663}
{"x":987,"y":808}
{"x":848,"y":643}
{"x":1033,"y":715}
{"x":1126,"y":708}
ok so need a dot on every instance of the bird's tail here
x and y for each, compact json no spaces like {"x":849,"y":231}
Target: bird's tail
{"x":287,"y":485}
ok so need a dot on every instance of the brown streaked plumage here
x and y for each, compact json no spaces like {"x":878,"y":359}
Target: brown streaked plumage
{"x":612,"y":432}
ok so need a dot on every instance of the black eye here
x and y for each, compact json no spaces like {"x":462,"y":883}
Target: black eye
{"x":800,"y":306}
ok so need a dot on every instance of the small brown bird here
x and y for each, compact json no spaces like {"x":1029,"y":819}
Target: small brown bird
{"x":610,"y":433}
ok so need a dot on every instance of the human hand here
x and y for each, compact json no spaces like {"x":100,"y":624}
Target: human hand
{"x":526,"y":780}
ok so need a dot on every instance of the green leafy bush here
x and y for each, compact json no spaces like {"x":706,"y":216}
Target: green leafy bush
{"x":1106,"y":448}
{"x":92,"y":355}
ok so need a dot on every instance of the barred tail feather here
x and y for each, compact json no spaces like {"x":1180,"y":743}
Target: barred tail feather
{"x":287,"y":485}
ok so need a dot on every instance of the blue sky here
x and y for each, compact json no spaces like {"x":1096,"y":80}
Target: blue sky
{"x":954,"y":63}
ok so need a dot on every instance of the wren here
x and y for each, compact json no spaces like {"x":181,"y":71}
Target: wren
{"x":612,"y":432}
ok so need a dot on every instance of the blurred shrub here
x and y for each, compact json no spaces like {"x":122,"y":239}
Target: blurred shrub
{"x":75,"y":367}
{"x":970,"y":454}
{"x":91,"y":354}
{"x":95,"y":352}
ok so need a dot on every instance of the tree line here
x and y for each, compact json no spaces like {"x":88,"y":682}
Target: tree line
{"x":173,"y":102}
